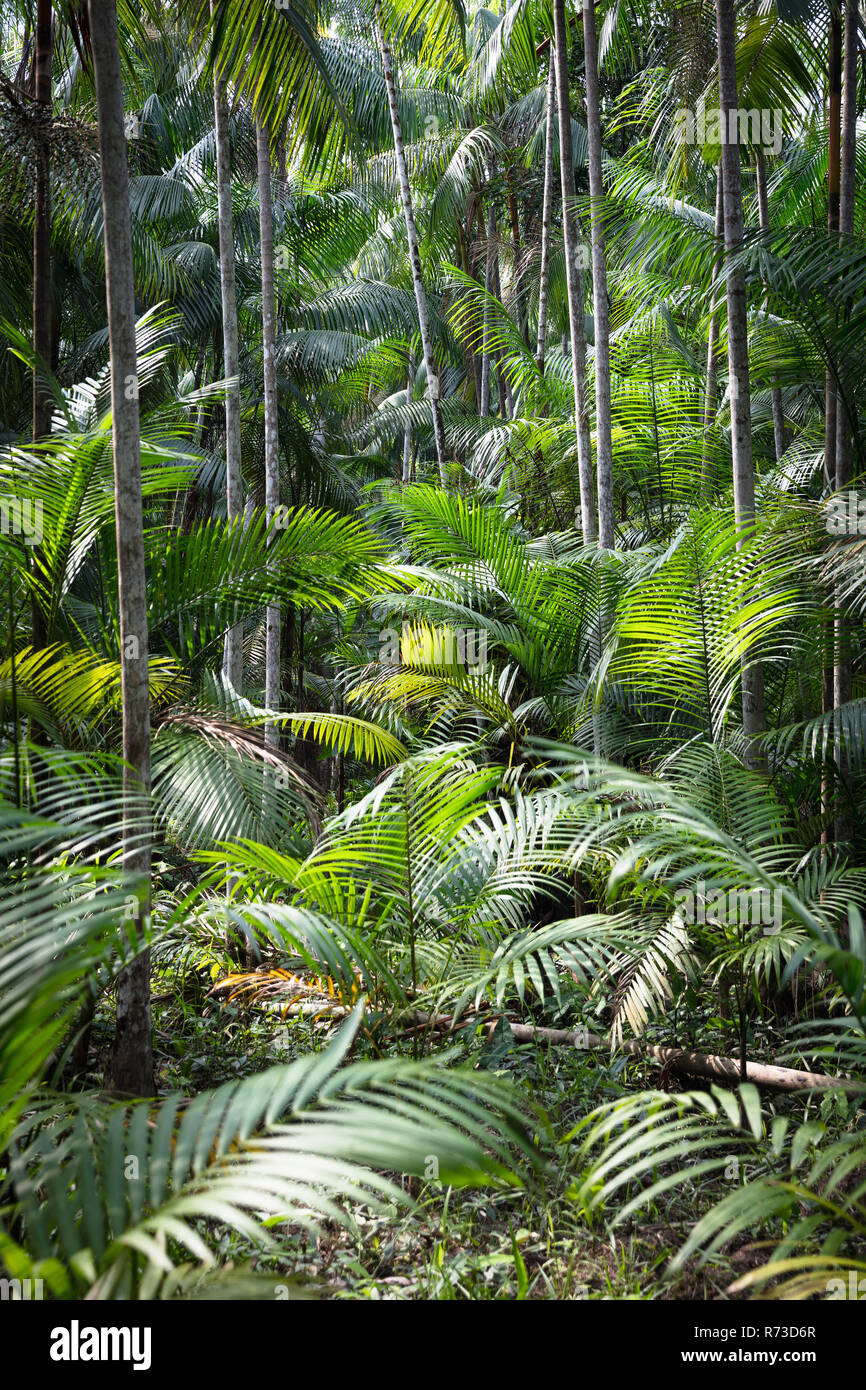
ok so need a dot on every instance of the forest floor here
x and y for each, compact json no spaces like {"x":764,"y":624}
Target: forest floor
{"x":477,"y":1243}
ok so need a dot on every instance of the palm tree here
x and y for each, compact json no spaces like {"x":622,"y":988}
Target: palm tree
{"x":600,"y":298}
{"x":272,"y":440}
{"x":547,"y":200}
{"x":574,"y":278}
{"x":842,"y":673}
{"x":479,"y":862}
{"x":233,"y":648}
{"x":834,"y":141}
{"x":754,"y":713}
{"x":43,"y":57}
{"x":131,"y":1066}
{"x":305,"y":1142}
{"x":489,"y":289}
{"x":711,"y":388}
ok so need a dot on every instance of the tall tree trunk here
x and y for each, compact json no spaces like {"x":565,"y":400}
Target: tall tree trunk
{"x":600,"y":299}
{"x":486,"y":355}
{"x":831,"y":402}
{"x":42,"y":335}
{"x":414,"y":249}
{"x":233,"y":646}
{"x":842,"y":680}
{"x":130,"y":1067}
{"x":710,"y":394}
{"x":847,"y":177}
{"x":834,"y":140}
{"x":764,"y":222}
{"x":544,"y":284}
{"x":272,"y":438}
{"x":848,"y":121}
{"x":574,"y":278}
{"x":752,"y":680}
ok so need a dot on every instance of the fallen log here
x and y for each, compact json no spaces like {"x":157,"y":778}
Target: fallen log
{"x":677,"y":1059}
{"x":687,"y":1063}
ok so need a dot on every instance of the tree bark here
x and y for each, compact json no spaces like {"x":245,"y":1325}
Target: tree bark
{"x":848,"y":120}
{"x":233,"y":646}
{"x":272,"y":437}
{"x":831,"y":401}
{"x":486,"y":355}
{"x":414,"y":249}
{"x":842,"y":675}
{"x":544,"y":283}
{"x":600,"y":298}
{"x":834,"y":140}
{"x":687,"y":1063}
{"x":574,"y":278}
{"x":130,"y":1068}
{"x":42,"y":334}
{"x":752,"y":677}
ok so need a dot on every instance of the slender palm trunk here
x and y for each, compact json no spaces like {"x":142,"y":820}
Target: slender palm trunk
{"x":414,"y":248}
{"x":842,"y":679}
{"x":544,"y":284}
{"x":600,"y":298}
{"x":41,"y":406}
{"x":574,"y":279}
{"x":272,"y":438}
{"x":764,"y":222}
{"x":486,"y":355}
{"x":752,"y":680}
{"x":233,"y":647}
{"x":831,"y":401}
{"x":712,"y":374}
{"x":130,"y":1066}
{"x":834,"y":142}
{"x":42,"y":335}
{"x":847,"y":176}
